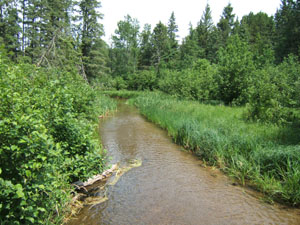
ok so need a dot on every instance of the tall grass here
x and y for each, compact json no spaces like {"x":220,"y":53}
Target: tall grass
{"x":259,"y":154}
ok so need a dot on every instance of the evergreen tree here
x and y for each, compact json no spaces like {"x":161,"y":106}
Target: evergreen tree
{"x":9,"y":26}
{"x":172,"y":30}
{"x":226,"y":23}
{"x":161,"y":46}
{"x":90,"y":32}
{"x":189,"y":49}
{"x":259,"y":30}
{"x":204,"y":35}
{"x":145,"y":54}
{"x":287,"y":20}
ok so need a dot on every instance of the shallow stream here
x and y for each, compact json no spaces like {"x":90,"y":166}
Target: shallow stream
{"x":171,"y":186}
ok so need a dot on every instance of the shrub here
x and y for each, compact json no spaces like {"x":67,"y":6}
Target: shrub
{"x":46,"y":140}
{"x":197,"y":83}
{"x":275,"y":95}
{"x":142,"y":80}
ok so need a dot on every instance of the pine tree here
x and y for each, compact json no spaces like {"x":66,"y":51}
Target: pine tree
{"x":90,"y":32}
{"x":189,"y":49}
{"x":204,"y":35}
{"x":287,"y":21}
{"x":9,"y":26}
{"x":145,"y":53}
{"x":259,"y":31}
{"x":226,"y":24}
{"x":161,"y":46}
{"x":172,"y":30}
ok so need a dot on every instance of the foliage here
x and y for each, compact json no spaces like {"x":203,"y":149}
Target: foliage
{"x":46,"y":140}
{"x":124,"y":55}
{"x":275,"y":96}
{"x":259,"y":31}
{"x":93,"y":49}
{"x":226,"y":24}
{"x":198,"y":83}
{"x":235,"y":66}
{"x":287,"y":20}
{"x":143,"y":80}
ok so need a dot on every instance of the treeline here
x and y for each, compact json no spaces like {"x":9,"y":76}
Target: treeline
{"x":56,"y":33}
{"x":253,"y":61}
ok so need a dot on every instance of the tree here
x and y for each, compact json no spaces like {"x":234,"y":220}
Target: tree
{"x":90,"y":32}
{"x":287,"y":20}
{"x":189,"y":49}
{"x":9,"y":26}
{"x":226,"y":23}
{"x":258,"y":30}
{"x":235,"y":67}
{"x":161,"y":46}
{"x":172,"y":30}
{"x":145,"y":54}
{"x":204,"y":30}
{"x":125,"y":47}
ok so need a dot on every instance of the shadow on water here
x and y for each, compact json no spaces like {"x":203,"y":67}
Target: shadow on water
{"x":171,"y":186}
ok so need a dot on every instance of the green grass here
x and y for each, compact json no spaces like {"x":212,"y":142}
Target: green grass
{"x":266,"y":157}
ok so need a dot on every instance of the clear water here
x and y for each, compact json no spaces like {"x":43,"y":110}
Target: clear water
{"x":171,"y":186}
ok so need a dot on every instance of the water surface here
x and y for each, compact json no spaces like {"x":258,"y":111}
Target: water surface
{"x":171,"y":186}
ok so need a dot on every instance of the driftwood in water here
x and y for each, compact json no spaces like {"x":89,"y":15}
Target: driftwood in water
{"x":82,"y":186}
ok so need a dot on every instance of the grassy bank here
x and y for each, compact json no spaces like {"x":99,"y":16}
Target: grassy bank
{"x":267,"y":157}
{"x":47,"y":140}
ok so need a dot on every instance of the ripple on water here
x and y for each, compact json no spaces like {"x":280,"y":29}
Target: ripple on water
{"x":171,"y":187}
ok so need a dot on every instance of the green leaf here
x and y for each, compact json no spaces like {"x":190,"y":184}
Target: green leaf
{"x":19,"y":191}
{"x":30,"y":219}
{"x":28,"y":173}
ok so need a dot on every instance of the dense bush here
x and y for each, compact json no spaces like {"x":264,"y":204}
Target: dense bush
{"x":235,"y":63}
{"x":46,"y":140}
{"x":275,"y":97}
{"x":197,"y":83}
{"x":142,"y":80}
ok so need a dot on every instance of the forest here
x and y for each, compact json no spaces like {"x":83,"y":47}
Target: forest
{"x":229,"y":92}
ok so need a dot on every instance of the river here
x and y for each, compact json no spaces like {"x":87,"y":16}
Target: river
{"x":171,"y":186}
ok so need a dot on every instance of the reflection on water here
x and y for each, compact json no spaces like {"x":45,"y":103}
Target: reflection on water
{"x":170,"y":187}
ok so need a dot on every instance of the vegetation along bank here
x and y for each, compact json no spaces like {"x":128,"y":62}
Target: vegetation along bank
{"x":234,"y":83}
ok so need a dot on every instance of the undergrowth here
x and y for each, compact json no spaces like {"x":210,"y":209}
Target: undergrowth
{"x":47,"y":140}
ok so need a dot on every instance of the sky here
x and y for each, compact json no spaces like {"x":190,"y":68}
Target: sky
{"x":186,"y":12}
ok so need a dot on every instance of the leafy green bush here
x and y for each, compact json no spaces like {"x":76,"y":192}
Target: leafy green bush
{"x":275,"y":97}
{"x":119,"y":83}
{"x":46,"y":140}
{"x":142,"y":80}
{"x":235,"y":67}
{"x":197,"y":83}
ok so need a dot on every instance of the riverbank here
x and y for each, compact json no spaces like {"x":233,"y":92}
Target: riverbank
{"x":263,"y":156}
{"x":48,"y":140}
